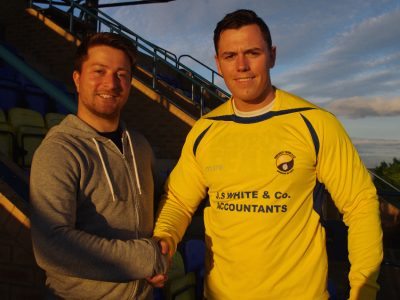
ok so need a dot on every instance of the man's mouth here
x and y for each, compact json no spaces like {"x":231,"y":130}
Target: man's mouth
{"x":244,"y":79}
{"x":107,"y":96}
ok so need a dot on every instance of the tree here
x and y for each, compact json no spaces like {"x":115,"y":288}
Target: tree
{"x":390,"y":172}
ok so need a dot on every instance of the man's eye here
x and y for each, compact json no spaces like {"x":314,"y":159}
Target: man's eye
{"x":98,"y":71}
{"x":229,"y":57}
{"x":253,"y":54}
{"x":122,"y":75}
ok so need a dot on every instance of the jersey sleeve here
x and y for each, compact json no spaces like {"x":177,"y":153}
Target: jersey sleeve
{"x":183,"y":192}
{"x":340,"y":168}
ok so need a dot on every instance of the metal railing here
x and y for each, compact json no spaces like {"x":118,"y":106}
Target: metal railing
{"x":213,"y":73}
{"x":79,"y":15}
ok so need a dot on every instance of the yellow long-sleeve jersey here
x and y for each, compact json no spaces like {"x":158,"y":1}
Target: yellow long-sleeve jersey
{"x":263,"y":176}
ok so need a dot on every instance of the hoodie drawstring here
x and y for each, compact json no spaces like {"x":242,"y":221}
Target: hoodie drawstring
{"x":105,"y":169}
{"x":134,"y":162}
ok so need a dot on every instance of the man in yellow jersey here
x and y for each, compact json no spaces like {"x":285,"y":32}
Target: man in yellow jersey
{"x":264,"y":158}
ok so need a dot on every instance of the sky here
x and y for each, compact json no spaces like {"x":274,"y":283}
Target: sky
{"x":343,"y":55}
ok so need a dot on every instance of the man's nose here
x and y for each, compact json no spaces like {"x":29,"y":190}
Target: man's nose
{"x":112,"y":81}
{"x":242,"y":63}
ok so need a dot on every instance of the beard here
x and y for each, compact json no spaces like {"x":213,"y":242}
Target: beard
{"x":108,"y":109}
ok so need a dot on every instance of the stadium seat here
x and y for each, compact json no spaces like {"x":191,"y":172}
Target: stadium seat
{"x":180,"y":285}
{"x":336,"y":240}
{"x":6,"y":137}
{"x":332,"y":290}
{"x":158,"y":294}
{"x":10,"y":89}
{"x":169,"y":80}
{"x":9,"y":94}
{"x":56,"y":105}
{"x":193,"y":252}
{"x":8,"y":73}
{"x":30,"y":131}
{"x":52,"y":119}
{"x":36,"y":99}
{"x":60,"y":108}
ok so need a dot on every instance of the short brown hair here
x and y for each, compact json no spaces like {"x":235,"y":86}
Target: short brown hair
{"x":238,"y":19}
{"x":110,"y":39}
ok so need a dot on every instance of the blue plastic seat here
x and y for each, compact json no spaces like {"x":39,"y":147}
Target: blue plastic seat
{"x":10,"y":89}
{"x":36,"y":99}
{"x":60,"y":108}
{"x":8,"y":73}
{"x":193,"y":252}
{"x":10,"y":94}
{"x":30,"y":131}
{"x":336,"y":240}
{"x":57,"y":106}
{"x":6,"y":137}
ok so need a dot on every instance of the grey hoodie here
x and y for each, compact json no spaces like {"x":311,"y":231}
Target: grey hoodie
{"x":92,"y":214}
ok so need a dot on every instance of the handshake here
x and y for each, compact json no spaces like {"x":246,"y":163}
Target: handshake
{"x":163,"y":257}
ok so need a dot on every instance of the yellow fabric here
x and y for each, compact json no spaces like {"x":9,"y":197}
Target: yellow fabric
{"x":263,"y":235}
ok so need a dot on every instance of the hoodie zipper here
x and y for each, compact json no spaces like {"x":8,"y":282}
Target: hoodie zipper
{"x":134,"y":189}
{"x":133,"y":186}
{"x":135,"y":200}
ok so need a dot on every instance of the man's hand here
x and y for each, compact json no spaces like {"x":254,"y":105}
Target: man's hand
{"x":157,"y":281}
{"x":165,"y":249}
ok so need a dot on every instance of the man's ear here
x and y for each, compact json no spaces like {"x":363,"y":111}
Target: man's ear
{"x":76,"y":76}
{"x":217,"y":64}
{"x":272,"y":53}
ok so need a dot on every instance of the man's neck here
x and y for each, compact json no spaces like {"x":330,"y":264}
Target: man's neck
{"x":100,"y":124}
{"x":252,"y":113}
{"x":248,"y":106}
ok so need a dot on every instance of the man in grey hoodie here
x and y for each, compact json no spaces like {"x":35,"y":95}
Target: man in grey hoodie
{"x":91,"y":188}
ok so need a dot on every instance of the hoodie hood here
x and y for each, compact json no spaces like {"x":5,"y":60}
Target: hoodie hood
{"x":74,"y":126}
